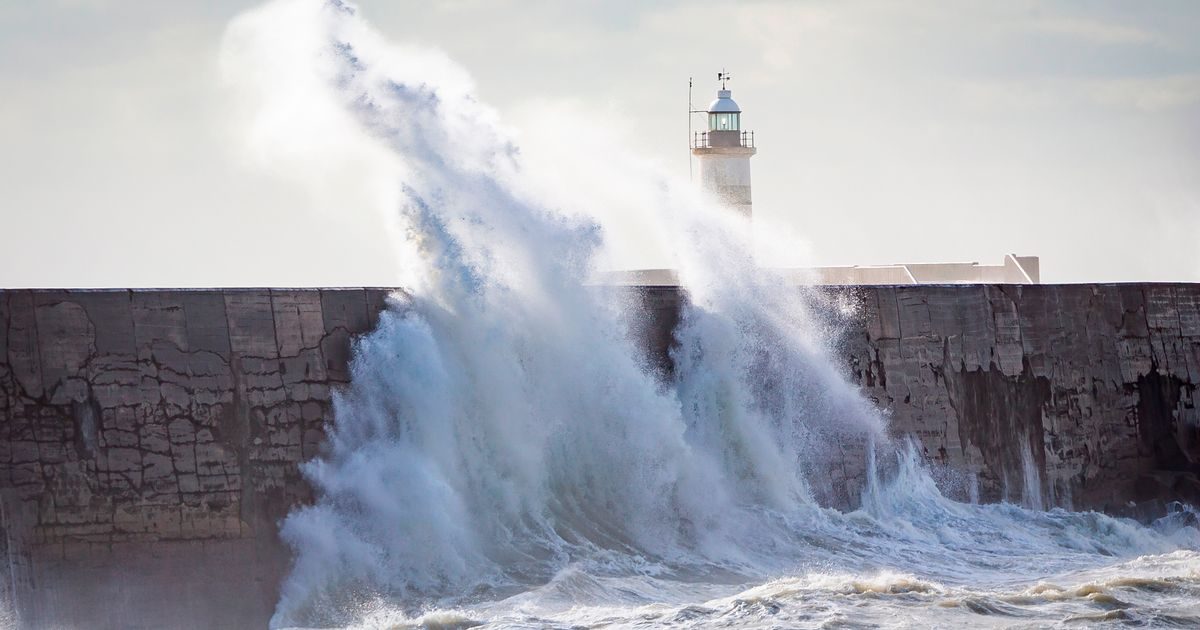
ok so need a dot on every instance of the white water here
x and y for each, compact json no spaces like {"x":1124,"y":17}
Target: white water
{"x":504,"y":456}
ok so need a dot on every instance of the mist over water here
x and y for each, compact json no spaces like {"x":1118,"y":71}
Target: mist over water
{"x":506,"y":455}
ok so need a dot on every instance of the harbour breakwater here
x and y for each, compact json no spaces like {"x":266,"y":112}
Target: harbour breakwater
{"x":152,"y":440}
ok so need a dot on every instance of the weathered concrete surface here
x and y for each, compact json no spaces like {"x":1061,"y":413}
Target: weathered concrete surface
{"x":151,"y":439}
{"x":1087,"y":393}
{"x":150,"y":443}
{"x":1095,"y":385}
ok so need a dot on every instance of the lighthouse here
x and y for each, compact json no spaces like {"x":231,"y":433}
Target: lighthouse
{"x":724,"y":152}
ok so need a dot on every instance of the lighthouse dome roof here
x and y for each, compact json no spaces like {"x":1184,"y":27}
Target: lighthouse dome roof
{"x":724,"y":103}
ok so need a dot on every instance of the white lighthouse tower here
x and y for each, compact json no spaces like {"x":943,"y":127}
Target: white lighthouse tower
{"x":724,"y":152}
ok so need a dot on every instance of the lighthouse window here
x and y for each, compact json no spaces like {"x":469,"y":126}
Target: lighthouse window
{"x":723,"y":122}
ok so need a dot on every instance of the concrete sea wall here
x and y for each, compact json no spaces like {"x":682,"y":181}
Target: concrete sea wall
{"x":1081,"y":396}
{"x":151,"y":440}
{"x":1078,"y":396}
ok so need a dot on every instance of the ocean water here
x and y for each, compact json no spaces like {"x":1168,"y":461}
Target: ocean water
{"x":507,"y":456}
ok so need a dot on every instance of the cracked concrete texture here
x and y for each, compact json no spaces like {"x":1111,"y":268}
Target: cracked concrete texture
{"x":161,"y":415}
{"x":1085,"y":394}
{"x":167,"y":414}
{"x":1095,"y":385}
{"x":171,"y":424}
{"x":175,"y":420}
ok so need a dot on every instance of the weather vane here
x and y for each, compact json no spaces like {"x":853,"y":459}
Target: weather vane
{"x":723,"y":76}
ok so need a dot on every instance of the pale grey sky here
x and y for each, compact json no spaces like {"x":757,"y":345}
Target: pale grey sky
{"x":887,"y":131}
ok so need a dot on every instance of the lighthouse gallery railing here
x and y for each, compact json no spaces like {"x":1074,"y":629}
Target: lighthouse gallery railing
{"x":701,"y":140}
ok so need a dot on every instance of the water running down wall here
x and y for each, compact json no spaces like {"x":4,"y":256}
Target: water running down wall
{"x":152,"y":439}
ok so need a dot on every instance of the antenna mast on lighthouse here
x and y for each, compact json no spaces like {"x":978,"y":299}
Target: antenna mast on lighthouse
{"x":692,"y":111}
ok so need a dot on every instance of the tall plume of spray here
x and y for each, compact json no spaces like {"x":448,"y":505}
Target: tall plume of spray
{"x":500,"y":423}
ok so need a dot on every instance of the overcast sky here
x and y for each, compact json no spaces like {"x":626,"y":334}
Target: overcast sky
{"x":888,"y":131}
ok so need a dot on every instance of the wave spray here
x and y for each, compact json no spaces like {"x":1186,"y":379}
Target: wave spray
{"x":504,"y":447}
